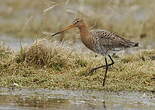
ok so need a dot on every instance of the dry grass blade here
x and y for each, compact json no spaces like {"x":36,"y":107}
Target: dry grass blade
{"x":49,"y":8}
{"x":47,"y":33}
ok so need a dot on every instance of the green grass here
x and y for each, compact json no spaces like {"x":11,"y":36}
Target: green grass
{"x":56,"y":67}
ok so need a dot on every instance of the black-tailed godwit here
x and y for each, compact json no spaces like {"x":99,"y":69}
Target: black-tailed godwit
{"x":100,"y":41}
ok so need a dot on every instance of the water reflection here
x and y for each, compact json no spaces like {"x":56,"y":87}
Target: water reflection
{"x":38,"y":102}
{"x":39,"y":99}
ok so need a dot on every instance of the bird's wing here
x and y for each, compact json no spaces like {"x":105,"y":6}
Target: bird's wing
{"x":110,"y":40}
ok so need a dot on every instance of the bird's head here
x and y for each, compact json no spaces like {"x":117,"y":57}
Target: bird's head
{"x":78,"y":22}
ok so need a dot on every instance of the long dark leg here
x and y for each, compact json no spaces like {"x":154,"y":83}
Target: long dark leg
{"x":106,"y":70}
{"x":103,"y":66}
{"x":112,"y":61}
{"x":94,"y":69}
{"x":107,"y":65}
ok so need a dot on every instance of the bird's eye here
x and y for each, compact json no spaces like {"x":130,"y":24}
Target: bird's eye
{"x":75,"y":22}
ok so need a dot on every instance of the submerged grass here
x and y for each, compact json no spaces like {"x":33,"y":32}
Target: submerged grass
{"x":45,"y":65}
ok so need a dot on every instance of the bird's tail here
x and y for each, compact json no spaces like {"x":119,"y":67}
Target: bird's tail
{"x":133,"y":44}
{"x":128,"y":44}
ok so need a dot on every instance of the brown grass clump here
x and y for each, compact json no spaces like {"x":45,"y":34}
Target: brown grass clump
{"x":42,"y":53}
{"x":37,"y":54}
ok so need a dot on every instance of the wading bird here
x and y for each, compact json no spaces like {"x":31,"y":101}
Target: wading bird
{"x":100,"y":41}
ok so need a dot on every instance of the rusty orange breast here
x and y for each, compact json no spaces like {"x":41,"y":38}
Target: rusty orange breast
{"x":86,"y":37}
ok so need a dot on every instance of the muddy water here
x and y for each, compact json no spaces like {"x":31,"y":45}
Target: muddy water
{"x":39,"y":99}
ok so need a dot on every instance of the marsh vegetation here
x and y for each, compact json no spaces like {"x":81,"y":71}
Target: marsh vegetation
{"x":56,"y":67}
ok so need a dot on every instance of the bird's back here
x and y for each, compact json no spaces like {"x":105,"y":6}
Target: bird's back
{"x":105,"y":41}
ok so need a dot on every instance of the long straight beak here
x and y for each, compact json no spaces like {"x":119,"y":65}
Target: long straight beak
{"x":65,"y":29}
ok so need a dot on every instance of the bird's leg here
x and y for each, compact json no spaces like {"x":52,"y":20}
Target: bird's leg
{"x":103,"y":66}
{"x":94,"y":69}
{"x":106,"y":70}
{"x":112,"y":61}
{"x":107,"y":65}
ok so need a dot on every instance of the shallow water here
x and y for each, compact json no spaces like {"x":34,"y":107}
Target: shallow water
{"x":39,"y":99}
{"x":15,"y":43}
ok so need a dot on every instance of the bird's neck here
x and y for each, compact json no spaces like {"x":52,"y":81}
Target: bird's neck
{"x":86,"y":36}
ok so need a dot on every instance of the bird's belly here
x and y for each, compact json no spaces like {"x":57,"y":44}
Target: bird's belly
{"x":94,"y":49}
{"x":106,"y":51}
{"x":100,"y":50}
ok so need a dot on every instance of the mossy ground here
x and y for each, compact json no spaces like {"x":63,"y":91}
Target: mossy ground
{"x":55,"y":67}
